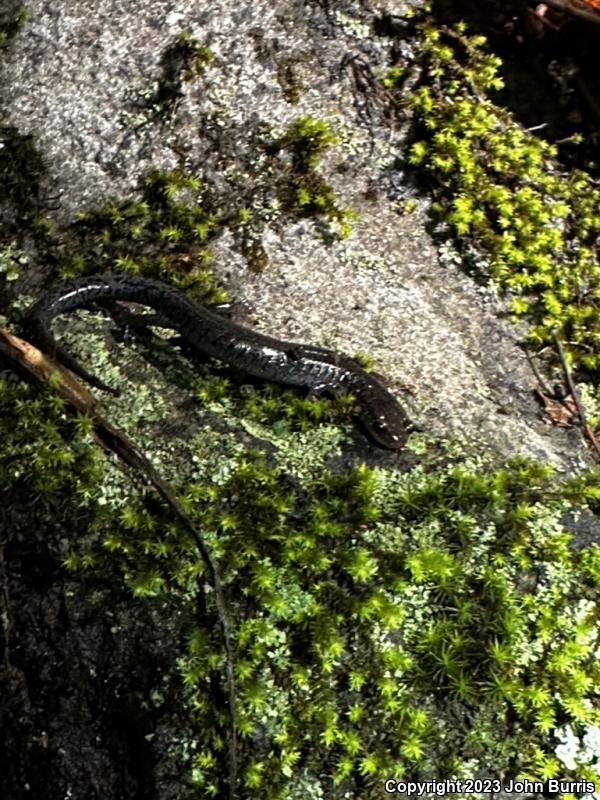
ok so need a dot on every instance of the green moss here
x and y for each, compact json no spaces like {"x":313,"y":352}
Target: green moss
{"x":383,"y":622}
{"x":503,"y":189}
{"x":45,"y":457}
{"x":307,"y":139}
{"x":163,"y":235}
{"x":184,"y":59}
{"x":272,"y":406}
{"x":166,"y":231}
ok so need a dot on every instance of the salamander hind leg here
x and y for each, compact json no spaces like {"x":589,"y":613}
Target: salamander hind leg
{"x":37,"y":328}
{"x":67,"y":360}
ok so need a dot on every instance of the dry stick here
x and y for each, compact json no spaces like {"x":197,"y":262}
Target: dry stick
{"x":547,"y":390}
{"x":577,"y":8}
{"x":574,"y":394}
{"x":114,"y":441}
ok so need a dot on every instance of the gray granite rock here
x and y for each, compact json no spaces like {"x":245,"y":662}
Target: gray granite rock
{"x":77,"y":77}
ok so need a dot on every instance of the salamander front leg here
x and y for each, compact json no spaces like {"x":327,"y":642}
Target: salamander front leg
{"x":42,"y":336}
{"x":319,"y":390}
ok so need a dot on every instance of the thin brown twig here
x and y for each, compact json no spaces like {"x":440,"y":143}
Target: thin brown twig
{"x":587,"y":429}
{"x":589,"y":13}
{"x":538,"y":375}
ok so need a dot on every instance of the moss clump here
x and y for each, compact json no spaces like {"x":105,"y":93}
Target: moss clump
{"x":502,"y":188}
{"x":307,"y":139}
{"x":184,"y":59}
{"x":383,"y":623}
{"x":369,"y":626}
{"x":272,"y":406}
{"x":437,"y":621}
{"x":57,"y":489}
{"x":163,"y":235}
{"x":43,"y":453}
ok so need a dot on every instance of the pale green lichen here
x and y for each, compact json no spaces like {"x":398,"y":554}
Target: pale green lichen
{"x":361,"y":601}
{"x":463,"y":585}
{"x":12,"y":260}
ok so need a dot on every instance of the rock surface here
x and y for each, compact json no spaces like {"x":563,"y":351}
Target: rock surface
{"x":76,"y":77}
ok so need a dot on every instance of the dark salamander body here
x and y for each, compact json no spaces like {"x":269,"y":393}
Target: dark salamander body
{"x":209,"y":332}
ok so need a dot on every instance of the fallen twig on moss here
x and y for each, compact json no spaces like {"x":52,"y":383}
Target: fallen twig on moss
{"x":539,"y":377}
{"x":114,"y":441}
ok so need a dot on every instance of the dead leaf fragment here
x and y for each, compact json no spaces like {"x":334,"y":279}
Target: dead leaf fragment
{"x":563,"y":412}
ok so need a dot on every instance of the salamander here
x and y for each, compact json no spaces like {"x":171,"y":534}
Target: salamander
{"x":265,"y":357}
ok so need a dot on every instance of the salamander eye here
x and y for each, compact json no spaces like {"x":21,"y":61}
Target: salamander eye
{"x":386,"y":427}
{"x":381,"y":429}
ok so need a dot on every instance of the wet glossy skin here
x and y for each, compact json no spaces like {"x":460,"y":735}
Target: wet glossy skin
{"x":315,"y":368}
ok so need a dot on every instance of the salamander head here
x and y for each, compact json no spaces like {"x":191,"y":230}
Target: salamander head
{"x":383,"y":417}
